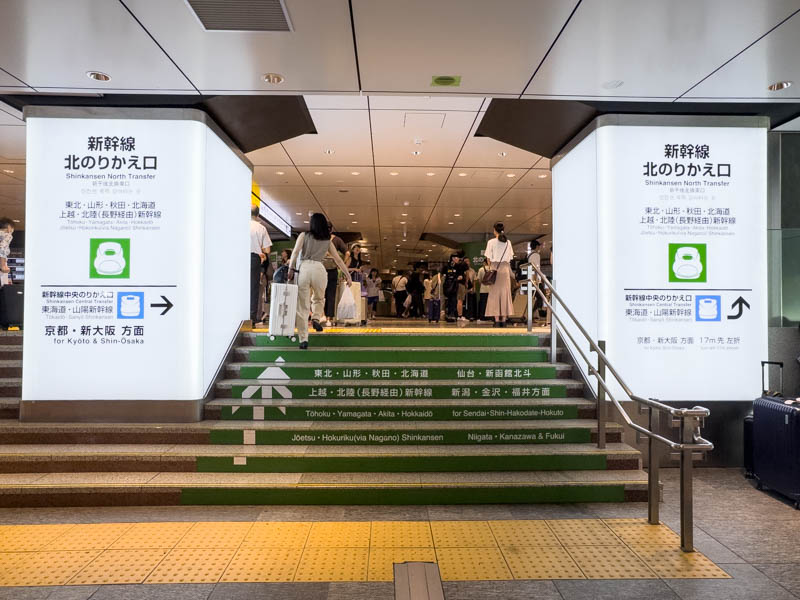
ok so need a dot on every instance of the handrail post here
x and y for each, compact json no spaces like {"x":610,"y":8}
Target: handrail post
{"x":553,"y":324}
{"x":653,"y":490}
{"x":530,"y":298}
{"x":687,"y":517}
{"x":601,"y":397}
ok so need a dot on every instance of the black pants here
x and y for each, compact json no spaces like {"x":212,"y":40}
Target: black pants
{"x":255,"y":284}
{"x":330,"y":292}
{"x":482,"y":306}
{"x":399,"y":302}
{"x":451,"y":306}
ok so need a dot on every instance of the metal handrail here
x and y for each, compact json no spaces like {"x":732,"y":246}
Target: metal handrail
{"x":690,"y":418}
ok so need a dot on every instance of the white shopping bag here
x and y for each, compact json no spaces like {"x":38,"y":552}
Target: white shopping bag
{"x":347,"y":305}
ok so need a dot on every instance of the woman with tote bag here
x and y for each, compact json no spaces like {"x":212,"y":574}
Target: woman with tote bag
{"x":499,"y":252}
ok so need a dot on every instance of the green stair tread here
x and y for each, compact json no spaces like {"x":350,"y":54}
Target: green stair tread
{"x":399,"y":425}
{"x":474,"y":402}
{"x":419,"y":383}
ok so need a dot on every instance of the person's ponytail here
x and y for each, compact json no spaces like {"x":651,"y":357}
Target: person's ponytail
{"x":501,"y":235}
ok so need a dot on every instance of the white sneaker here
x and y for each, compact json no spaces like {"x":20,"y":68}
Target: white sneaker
{"x":328,"y":323}
{"x":462,"y":318}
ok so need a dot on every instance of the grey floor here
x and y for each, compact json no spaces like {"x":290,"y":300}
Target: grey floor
{"x":753,"y":535}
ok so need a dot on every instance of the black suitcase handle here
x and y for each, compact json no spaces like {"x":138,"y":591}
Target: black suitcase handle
{"x":765,"y":363}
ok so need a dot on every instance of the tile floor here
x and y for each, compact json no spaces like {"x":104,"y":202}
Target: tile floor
{"x":752,"y":535}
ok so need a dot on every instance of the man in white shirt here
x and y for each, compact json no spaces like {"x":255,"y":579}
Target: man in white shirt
{"x":260,"y":245}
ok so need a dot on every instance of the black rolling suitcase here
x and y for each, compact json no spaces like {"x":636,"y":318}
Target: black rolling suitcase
{"x":12,"y":300}
{"x":776,"y":442}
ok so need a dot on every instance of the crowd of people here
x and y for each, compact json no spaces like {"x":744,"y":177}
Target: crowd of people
{"x":456,"y":292}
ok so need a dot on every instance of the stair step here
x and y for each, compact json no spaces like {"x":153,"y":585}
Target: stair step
{"x":393,"y":372}
{"x":457,"y":339}
{"x":10,"y":387}
{"x":11,"y":368}
{"x":9,"y":408}
{"x":281,"y":389}
{"x":413,"y":356}
{"x":407,"y":410}
{"x":10,"y":351}
{"x":39,"y":458}
{"x":160,"y":488}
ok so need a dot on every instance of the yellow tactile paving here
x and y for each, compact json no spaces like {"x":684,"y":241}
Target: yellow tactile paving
{"x":541,"y":562}
{"x":523,"y":533}
{"x":120,"y":566}
{"x":472,"y":564}
{"x":382,"y":560}
{"x":152,"y":535}
{"x":192,"y":565}
{"x":263,"y":564}
{"x":95,"y":536}
{"x":45,"y":568}
{"x":207,"y":552}
{"x":583,"y":532}
{"x":29,"y":538}
{"x":610,"y":562}
{"x":215,"y":535}
{"x":670,"y":563}
{"x":401,"y":534}
{"x":462,"y":534}
{"x":277,"y":535}
{"x":634,"y":531}
{"x":335,"y":534}
{"x":333,"y":564}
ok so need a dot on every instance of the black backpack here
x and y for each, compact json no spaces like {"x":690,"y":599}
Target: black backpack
{"x":451,"y":282}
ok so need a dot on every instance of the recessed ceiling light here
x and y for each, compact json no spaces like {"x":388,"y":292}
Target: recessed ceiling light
{"x":509,"y":216}
{"x":9,"y":171}
{"x":394,"y":173}
{"x":98,"y":76}
{"x":779,"y":85}
{"x":318,"y":173}
{"x":15,"y":220}
{"x":354,"y":222}
{"x":402,"y":222}
{"x":403,"y":214}
{"x":417,"y":152}
{"x":510,"y":175}
{"x":329,"y":151}
{"x":457,"y":214}
{"x":462,"y":174}
{"x":430,"y":174}
{"x":612,"y":84}
{"x":542,"y":176}
{"x":299,"y":214}
{"x":279,"y":173}
{"x":352,"y":214}
{"x":274,"y":78}
{"x":544,"y":223}
{"x":398,"y":245}
{"x":306,"y":222}
{"x":406,"y":203}
{"x":502,"y":154}
{"x":355,"y":173}
{"x":433,"y":245}
{"x":450,"y":223}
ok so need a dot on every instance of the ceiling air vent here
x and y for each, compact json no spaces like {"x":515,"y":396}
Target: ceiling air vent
{"x":242,"y":15}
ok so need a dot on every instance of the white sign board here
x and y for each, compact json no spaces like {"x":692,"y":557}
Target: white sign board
{"x":116,"y":234}
{"x":681,"y":257}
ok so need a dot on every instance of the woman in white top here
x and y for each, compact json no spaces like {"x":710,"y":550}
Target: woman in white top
{"x":499,"y":252}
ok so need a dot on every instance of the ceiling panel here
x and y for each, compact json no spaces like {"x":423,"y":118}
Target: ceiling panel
{"x":525,"y":198}
{"x":277,"y":176}
{"x":322,"y":176}
{"x":12,"y":142}
{"x":336,"y":102}
{"x":15,"y":192}
{"x":442,"y":216}
{"x":38,"y":44}
{"x":493,"y":46}
{"x":269,"y":155}
{"x":771,"y":59}
{"x":485,"y":178}
{"x":511,"y":220}
{"x":437,"y":136}
{"x":407,"y":196}
{"x":657,"y":49}
{"x":488,"y":152}
{"x":346,"y":132}
{"x":536,"y":178}
{"x":13,"y":172}
{"x":470,"y":197}
{"x":355,"y":196}
{"x":426,"y":103}
{"x":9,"y":119}
{"x":412,"y":176}
{"x":317,"y":56}
{"x":540,"y":223}
{"x":11,"y":84}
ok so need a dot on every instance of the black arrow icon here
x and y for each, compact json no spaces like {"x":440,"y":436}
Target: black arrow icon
{"x":166,"y":306}
{"x":739,"y":303}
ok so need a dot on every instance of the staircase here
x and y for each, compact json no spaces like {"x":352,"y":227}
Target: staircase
{"x":358,"y":418}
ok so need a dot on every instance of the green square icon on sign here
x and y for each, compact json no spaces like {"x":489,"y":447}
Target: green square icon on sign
{"x":109,"y":258}
{"x":687,"y":263}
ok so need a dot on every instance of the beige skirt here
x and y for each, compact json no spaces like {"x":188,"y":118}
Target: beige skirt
{"x":499,"y":303}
